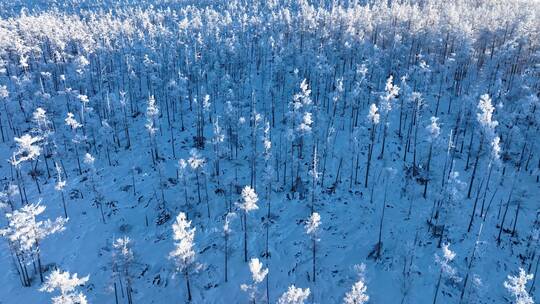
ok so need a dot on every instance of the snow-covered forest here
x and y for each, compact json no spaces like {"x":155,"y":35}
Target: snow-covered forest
{"x":269,"y":151}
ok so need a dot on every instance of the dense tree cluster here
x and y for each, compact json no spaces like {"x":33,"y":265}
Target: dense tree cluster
{"x":214,"y":109}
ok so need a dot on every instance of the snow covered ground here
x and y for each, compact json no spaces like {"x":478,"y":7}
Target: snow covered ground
{"x":252,"y":75}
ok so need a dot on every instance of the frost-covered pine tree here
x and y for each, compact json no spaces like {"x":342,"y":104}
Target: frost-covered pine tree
{"x":446,"y":269}
{"x":391,"y":92}
{"x":196,"y":163}
{"x":294,"y":295}
{"x":122,"y":259}
{"x":268,"y":177}
{"x":451,"y":193}
{"x":374,"y":119}
{"x":60,"y":185}
{"x":89,"y":160}
{"x":73,"y":124}
{"x":256,"y":118}
{"x":183,"y":253}
{"x":28,"y":150}
{"x":217,"y":139}
{"x":487,"y":131}
{"x":39,"y":117}
{"x":301,"y":118}
{"x":312,"y":229}
{"x":357,"y":294}
{"x":67,"y":285}
{"x":25,"y":233}
{"x":258,"y":273}
{"x":268,"y":168}
{"x":485,"y":114}
{"x":44,"y":130}
{"x":315,"y":175}
{"x":517,"y":287}
{"x":248,"y":204}
{"x":305,"y":120}
{"x":4,"y":94}
{"x":434,"y":131}
{"x":152,"y":112}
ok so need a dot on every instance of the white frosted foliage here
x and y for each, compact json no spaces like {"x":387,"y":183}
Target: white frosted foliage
{"x":517,"y":287}
{"x":66,"y":283}
{"x":183,"y":234}
{"x":294,"y":295}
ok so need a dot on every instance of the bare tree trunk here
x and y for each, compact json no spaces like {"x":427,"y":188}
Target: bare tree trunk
{"x":505,"y":212}
{"x":370,"y":152}
{"x":427,"y":169}
{"x":314,"y":251}
{"x":115,"y":294}
{"x":437,"y":287}
{"x":475,"y":166}
{"x":64,"y":204}
{"x":186,"y":272}
{"x":245,"y":237}
{"x":226,"y":256}
{"x":379,"y":243}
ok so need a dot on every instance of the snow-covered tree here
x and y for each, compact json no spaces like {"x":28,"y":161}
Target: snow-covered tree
{"x":517,"y":287}
{"x":72,"y":122}
{"x":268,"y":178}
{"x":27,"y":149}
{"x":123,"y":258}
{"x":45,"y":131}
{"x":217,"y":140}
{"x":315,"y":176}
{"x":294,"y":295}
{"x":25,"y":233}
{"x":89,"y":160}
{"x":300,"y":108}
{"x":183,"y":253}
{"x":248,"y":204}
{"x":312,"y":224}
{"x":60,"y":185}
{"x":152,"y":112}
{"x":487,"y":132}
{"x":42,"y":121}
{"x":357,"y":294}
{"x":312,"y":229}
{"x":258,"y":273}
{"x":434,"y":131}
{"x":447,"y":270}
{"x":67,"y":284}
{"x":485,"y":115}
{"x":196,"y":162}
{"x":374,"y":119}
{"x":496,"y":148}
{"x":301,"y":116}
{"x":391,"y":92}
